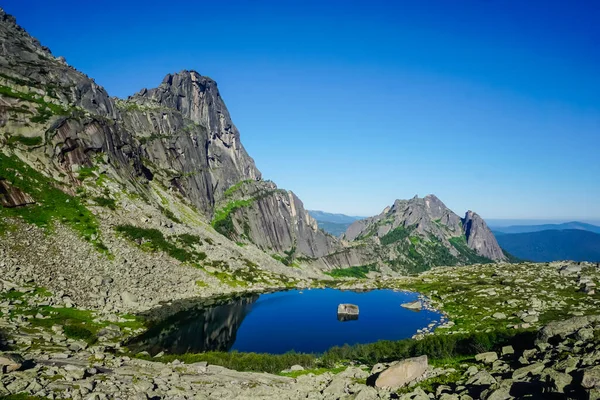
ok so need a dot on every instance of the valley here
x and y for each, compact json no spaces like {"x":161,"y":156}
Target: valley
{"x":143,"y":255}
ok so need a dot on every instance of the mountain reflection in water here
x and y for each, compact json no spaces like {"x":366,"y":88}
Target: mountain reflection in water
{"x":199,"y":329}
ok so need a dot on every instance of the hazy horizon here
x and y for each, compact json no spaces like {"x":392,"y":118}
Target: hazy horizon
{"x":492,"y":106}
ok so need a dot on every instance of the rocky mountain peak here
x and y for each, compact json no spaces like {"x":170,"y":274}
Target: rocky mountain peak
{"x":480,"y":238}
{"x":425,"y":231}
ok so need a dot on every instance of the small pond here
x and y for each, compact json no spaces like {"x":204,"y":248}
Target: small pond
{"x":299,"y":320}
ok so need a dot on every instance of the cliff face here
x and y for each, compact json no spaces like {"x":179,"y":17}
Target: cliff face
{"x":422,"y":232}
{"x":178,"y":137}
{"x":480,"y":238}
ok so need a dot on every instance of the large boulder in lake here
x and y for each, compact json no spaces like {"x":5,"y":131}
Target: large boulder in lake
{"x":347,"y":312}
{"x":413,"y":305}
{"x":402,"y":373}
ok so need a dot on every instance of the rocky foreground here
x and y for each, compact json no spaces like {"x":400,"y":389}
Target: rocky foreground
{"x":56,"y":351}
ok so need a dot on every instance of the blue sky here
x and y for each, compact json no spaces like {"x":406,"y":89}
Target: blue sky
{"x":491,"y":105}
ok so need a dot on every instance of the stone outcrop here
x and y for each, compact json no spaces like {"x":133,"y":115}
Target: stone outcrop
{"x":11,"y":196}
{"x":347,"y":309}
{"x":480,"y":238}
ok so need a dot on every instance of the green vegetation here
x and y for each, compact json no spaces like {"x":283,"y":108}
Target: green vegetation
{"x":45,"y":109}
{"x":250,"y":275}
{"x":105,"y":202}
{"x":447,"y":347}
{"x":52,"y":204}
{"x":353,"y":272}
{"x":24,"y":140}
{"x":235,"y":188}
{"x":396,"y":235}
{"x":77,"y":324}
{"x":86,"y":172}
{"x":272,"y":363}
{"x":314,"y":371}
{"x":436,"y":347}
{"x":466,"y":254}
{"x":22,"y":396}
{"x":222,"y":221}
{"x":154,"y":240}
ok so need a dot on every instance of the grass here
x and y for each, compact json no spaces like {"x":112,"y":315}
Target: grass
{"x":77,"y":324}
{"x":396,"y":235}
{"x":231,"y":190}
{"x":45,"y":109}
{"x":154,"y":240}
{"x":222,"y":222}
{"x":257,"y":362}
{"x":105,"y":202}
{"x":24,"y":140}
{"x":352,"y":272}
{"x":443,"y":348}
{"x":314,"y":371}
{"x":52,"y":204}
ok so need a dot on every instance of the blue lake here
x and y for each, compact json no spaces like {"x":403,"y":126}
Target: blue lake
{"x":299,"y":320}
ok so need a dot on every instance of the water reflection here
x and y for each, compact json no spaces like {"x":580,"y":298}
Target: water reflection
{"x":282,"y":321}
{"x":197,"y":329}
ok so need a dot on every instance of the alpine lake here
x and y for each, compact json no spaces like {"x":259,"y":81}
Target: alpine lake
{"x":304,"y":321}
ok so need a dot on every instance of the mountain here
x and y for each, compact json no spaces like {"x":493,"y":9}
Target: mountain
{"x":322,"y":216}
{"x":419,"y":233}
{"x":162,"y":171}
{"x":546,"y":227}
{"x":334,"y":224}
{"x":552,"y":245}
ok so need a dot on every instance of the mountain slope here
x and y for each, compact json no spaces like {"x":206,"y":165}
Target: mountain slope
{"x":551,"y":245}
{"x":546,"y":227}
{"x":174,"y":147}
{"x":419,"y":233}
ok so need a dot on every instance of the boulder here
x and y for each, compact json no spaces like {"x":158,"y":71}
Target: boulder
{"x":591,"y":378}
{"x":566,"y":327}
{"x":486,"y":358}
{"x":499,"y":315}
{"x":402,"y":373}
{"x":481,"y":378}
{"x":347,"y":312}
{"x":533,"y":369}
{"x":413,"y":305}
{"x":10,"y":362}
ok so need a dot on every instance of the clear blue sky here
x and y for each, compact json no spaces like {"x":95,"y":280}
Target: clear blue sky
{"x":493,"y":105}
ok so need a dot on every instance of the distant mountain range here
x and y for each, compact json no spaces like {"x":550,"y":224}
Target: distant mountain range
{"x":335,"y":224}
{"x":552,"y":245}
{"x":545,"y":227}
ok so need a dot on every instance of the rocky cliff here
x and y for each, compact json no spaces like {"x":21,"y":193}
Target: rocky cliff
{"x":422,"y":232}
{"x":172,"y":146}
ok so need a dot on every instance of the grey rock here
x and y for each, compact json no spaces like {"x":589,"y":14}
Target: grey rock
{"x":480,"y":238}
{"x":413,"y":305}
{"x":533,"y":369}
{"x":10,"y":362}
{"x":402,"y":373}
{"x":481,"y":378}
{"x":591,"y":378}
{"x":487,"y":358}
